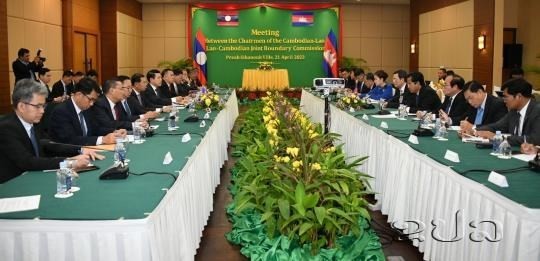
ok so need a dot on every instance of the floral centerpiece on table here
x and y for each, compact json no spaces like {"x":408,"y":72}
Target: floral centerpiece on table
{"x":209,"y":100}
{"x":265,"y":66}
{"x":348,"y":101}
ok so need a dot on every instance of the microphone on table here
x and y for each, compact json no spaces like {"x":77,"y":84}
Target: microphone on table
{"x":94,"y":147}
{"x":422,"y":132}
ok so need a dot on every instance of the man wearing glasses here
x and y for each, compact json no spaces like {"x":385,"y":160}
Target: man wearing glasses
{"x":523,"y":117}
{"x":71,"y":121}
{"x":20,"y":136}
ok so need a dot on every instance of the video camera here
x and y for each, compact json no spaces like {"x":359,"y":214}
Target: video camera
{"x":42,"y":59}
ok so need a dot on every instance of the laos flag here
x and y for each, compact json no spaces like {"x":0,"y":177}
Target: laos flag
{"x":199,"y":56}
{"x":330,"y":55}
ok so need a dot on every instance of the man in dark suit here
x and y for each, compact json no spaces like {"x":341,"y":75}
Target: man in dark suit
{"x":523,"y":117}
{"x":23,"y":68}
{"x":22,"y":149}
{"x":425,"y":99}
{"x":134,"y":110}
{"x":180,"y":79}
{"x":63,"y":87}
{"x":345,"y":74}
{"x":108,"y":109}
{"x":153,"y":95}
{"x":71,"y":121}
{"x":44,"y":78}
{"x":168,"y":88}
{"x":454,"y":107}
{"x":193,"y":80}
{"x":485,"y":108}
{"x":402,"y":94}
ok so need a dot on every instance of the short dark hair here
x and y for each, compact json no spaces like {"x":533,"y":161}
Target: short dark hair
{"x":402,"y":74}
{"x":417,"y":77}
{"x":109,"y":84}
{"x":78,"y":73}
{"x":457,"y":80}
{"x":518,"y":85}
{"x":22,"y":52}
{"x":43,"y":71}
{"x":473,"y":86}
{"x":166,"y":70}
{"x":122,"y":78}
{"x":152,"y":74}
{"x":450,"y":73}
{"x":516,"y":71}
{"x":136,"y":78}
{"x":86,"y":86}
{"x":25,"y":89}
{"x":444,"y":69}
{"x":177,"y":71}
{"x":67,"y":73}
{"x":382,"y":74}
{"x":359,"y":71}
{"x":92,"y":73}
{"x":370,"y":76}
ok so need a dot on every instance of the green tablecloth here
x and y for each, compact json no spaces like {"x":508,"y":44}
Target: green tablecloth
{"x":132,"y":198}
{"x":524,"y":184}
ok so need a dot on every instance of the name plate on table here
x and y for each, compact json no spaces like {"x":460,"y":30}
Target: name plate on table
{"x":365,"y":117}
{"x":384,"y":125}
{"x":413,"y":139}
{"x":451,"y":156}
{"x":498,"y":179}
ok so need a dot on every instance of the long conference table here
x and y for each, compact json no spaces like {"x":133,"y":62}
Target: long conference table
{"x":147,"y":217}
{"x":421,"y":190}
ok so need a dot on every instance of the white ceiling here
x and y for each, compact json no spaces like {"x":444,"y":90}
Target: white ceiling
{"x":401,"y":2}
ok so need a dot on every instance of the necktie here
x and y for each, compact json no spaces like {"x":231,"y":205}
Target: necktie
{"x":417,"y":100}
{"x":173,"y":91}
{"x":517,"y":130}
{"x":479,"y":116}
{"x":117,"y":111}
{"x":34,"y":141}
{"x":83,"y":124}
{"x":449,"y":105}
{"x":126,"y":106}
{"x":139,"y":98}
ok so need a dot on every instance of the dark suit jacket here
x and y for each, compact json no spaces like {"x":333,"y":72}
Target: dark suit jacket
{"x":58,"y":89}
{"x":362,"y":88}
{"x":17,"y":154}
{"x":494,"y":110}
{"x":104,"y":115}
{"x":155,"y":99}
{"x":408,"y":98}
{"x":531,"y":125}
{"x":427,"y":101}
{"x":23,"y":71}
{"x":350,"y":83}
{"x":459,"y":108}
{"x":183,"y":89}
{"x":65,"y":127}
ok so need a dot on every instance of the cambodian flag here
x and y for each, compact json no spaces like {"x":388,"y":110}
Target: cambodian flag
{"x":199,"y":56}
{"x":227,"y":18}
{"x":302,"y":18}
{"x":330,"y":65}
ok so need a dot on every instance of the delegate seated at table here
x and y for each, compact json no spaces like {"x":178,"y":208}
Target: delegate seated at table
{"x":523,"y":118}
{"x":381,"y":89}
{"x":22,"y":149}
{"x":425,"y":99}
{"x":485,"y":108}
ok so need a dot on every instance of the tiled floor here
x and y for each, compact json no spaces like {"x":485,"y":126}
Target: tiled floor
{"x":214,"y":245}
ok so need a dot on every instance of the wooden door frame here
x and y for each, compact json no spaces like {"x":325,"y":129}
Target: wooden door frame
{"x":81,"y":30}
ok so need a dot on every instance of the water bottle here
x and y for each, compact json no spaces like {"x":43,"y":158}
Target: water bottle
{"x":505,"y":150}
{"x":497,"y":140}
{"x":136,"y":126}
{"x":119,"y":151}
{"x":172,"y":122}
{"x":437,"y":128}
{"x":63,"y":181}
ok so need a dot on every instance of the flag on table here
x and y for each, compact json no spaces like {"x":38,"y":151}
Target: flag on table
{"x":199,"y":56}
{"x":330,"y":55}
{"x":227,"y":18}
{"x":302,"y":18}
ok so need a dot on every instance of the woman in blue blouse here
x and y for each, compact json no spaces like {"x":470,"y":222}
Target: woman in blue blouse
{"x":381,"y":90}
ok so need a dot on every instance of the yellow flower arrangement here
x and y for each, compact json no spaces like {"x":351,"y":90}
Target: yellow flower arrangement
{"x":209,"y":100}
{"x":350,"y":100}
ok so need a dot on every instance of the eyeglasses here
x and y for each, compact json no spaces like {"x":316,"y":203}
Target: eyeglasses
{"x":91,"y":99}
{"x":37,"y":106}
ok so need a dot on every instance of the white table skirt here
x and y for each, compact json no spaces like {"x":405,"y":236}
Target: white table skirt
{"x":171,"y":232}
{"x":413,"y":187}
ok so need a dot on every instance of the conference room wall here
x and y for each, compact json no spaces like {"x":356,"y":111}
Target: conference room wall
{"x":34,"y":24}
{"x":129,"y":44}
{"x":376,"y":33}
{"x":529,"y":35}
{"x":164,"y":34}
{"x":446,"y":35}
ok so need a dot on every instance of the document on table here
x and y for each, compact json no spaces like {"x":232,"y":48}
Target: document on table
{"x":524,"y":157}
{"x":19,"y":204}
{"x":387,"y":116}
